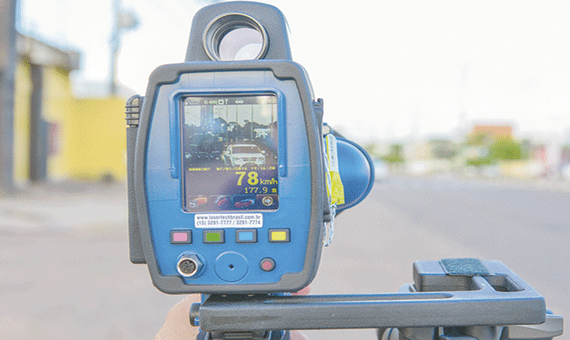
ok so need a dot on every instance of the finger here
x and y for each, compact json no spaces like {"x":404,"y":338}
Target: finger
{"x":296,"y":335}
{"x":177,"y":325}
{"x":304,"y":291}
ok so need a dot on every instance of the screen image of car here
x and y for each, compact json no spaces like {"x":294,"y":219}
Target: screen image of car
{"x":244,"y":154}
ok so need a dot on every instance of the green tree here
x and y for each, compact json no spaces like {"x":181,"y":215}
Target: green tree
{"x":395,"y":154}
{"x":505,"y":149}
{"x":371,"y":149}
{"x":480,"y":161}
{"x":477,"y":139}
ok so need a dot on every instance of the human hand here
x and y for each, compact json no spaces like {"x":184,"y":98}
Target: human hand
{"x":177,"y":324}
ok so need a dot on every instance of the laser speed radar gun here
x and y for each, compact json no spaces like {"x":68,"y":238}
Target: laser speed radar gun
{"x":234,"y":182}
{"x":232,"y":175}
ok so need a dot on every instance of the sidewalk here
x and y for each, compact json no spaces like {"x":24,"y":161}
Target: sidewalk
{"x":64,"y":205}
{"x":65,"y":270}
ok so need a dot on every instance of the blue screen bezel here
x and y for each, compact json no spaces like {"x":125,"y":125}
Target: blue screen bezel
{"x":176,"y":117}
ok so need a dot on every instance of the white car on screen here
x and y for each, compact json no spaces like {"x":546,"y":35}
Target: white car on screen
{"x":243,"y":154}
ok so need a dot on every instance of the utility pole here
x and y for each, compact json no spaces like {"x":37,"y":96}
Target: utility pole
{"x":8,"y":59}
{"x":123,"y":20}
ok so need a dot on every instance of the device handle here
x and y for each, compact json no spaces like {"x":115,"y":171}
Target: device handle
{"x":132,"y":111}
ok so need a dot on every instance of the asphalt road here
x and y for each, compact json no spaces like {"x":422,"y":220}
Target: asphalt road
{"x":65,"y":274}
{"x":527,"y":227}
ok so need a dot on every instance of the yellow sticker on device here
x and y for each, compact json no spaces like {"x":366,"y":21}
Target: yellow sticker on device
{"x":334,"y":182}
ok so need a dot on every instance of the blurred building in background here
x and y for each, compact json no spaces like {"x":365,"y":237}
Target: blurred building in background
{"x":58,"y":136}
{"x":493,"y":130}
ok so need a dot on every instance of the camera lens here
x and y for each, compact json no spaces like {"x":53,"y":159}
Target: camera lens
{"x":242,"y":43}
{"x":236,"y":36}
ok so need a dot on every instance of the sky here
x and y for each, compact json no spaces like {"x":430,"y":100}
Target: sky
{"x":386,"y":69}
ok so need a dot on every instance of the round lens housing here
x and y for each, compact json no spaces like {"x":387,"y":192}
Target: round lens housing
{"x":232,"y":37}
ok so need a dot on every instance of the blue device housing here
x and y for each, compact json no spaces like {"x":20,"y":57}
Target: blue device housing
{"x":229,"y":266}
{"x":356,"y":171}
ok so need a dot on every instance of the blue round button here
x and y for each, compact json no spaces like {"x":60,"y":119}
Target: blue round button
{"x":231,"y":266}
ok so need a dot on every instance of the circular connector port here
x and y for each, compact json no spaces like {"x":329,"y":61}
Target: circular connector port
{"x":188,"y":266}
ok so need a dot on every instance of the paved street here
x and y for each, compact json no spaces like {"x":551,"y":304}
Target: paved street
{"x":65,"y":274}
{"x":526,"y":226}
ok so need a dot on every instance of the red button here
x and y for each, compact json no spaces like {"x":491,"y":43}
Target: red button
{"x":267,"y":264}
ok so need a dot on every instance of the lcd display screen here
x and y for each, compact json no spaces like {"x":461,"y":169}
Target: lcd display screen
{"x":229,"y":152}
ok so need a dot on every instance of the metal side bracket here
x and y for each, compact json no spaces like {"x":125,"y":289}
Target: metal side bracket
{"x":438,"y":298}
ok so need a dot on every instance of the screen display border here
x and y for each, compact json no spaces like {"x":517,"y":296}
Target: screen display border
{"x":281,"y":149}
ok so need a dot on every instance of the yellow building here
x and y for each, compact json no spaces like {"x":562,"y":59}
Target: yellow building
{"x":56,"y":135}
